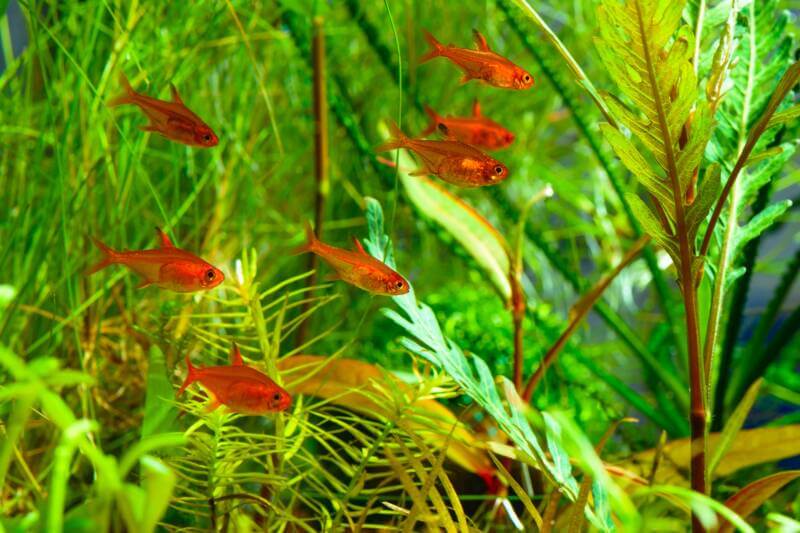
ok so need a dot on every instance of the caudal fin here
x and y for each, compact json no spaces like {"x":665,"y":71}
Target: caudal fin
{"x":109,"y":257}
{"x":128,"y":94}
{"x":191,"y":376}
{"x":311,"y":241}
{"x":435,"y":120}
{"x":436,"y":47}
{"x":398,"y":140}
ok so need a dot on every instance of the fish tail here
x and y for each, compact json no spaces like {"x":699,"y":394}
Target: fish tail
{"x":110,"y":256}
{"x":398,"y":140}
{"x":436,"y":47}
{"x":127,"y":95}
{"x":311,"y":241}
{"x":191,"y":376}
{"x":435,"y":119}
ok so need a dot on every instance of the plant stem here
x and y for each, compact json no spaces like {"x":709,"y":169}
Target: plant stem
{"x":579,"y":311}
{"x":321,"y":158}
{"x":697,"y":413}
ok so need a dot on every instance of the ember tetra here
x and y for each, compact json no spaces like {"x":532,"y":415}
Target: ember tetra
{"x":241,"y":388}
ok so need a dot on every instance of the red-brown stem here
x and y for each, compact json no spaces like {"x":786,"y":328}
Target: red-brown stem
{"x":579,"y":311}
{"x":517,"y":315}
{"x":320,"y":155}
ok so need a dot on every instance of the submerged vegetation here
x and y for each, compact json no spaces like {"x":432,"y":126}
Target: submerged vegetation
{"x":574,"y":307}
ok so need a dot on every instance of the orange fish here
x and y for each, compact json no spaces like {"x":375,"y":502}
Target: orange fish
{"x":167,"y":267}
{"x":480,"y":64}
{"x":172,"y":119}
{"x":357,"y":268}
{"x":477,"y":130}
{"x":451,"y":160}
{"x":241,"y":388}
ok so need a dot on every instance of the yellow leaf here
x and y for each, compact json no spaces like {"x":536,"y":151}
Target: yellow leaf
{"x":751,"y":447}
{"x":362,"y":387}
{"x":753,"y":495}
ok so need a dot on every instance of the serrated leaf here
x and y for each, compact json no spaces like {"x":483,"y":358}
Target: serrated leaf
{"x":706,"y":197}
{"x":758,"y":224}
{"x":635,"y":162}
{"x":781,"y":117}
{"x":649,"y":221}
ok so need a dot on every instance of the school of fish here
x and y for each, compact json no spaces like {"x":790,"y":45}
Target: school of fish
{"x":458,"y":158}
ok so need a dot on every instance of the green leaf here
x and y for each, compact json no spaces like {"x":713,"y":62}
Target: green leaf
{"x":635,"y":162}
{"x":733,"y":426}
{"x":649,"y":221}
{"x":781,"y":117}
{"x":703,"y":507}
{"x":706,"y":198}
{"x":751,"y":497}
{"x":468,"y":227}
{"x":160,"y":411}
{"x":758,"y":224}
{"x":142,"y":507}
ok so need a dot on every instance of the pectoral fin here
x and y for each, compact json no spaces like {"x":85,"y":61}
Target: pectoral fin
{"x":144,"y":283}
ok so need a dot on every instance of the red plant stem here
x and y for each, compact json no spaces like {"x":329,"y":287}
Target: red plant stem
{"x":320,"y":154}
{"x":580,"y":310}
{"x":517,"y":315}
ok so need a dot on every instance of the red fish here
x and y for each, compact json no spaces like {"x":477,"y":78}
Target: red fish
{"x":477,"y":130}
{"x":480,"y":64}
{"x":172,"y":119}
{"x":167,"y":267}
{"x":451,"y":160}
{"x":357,"y":268}
{"x":241,"y":388}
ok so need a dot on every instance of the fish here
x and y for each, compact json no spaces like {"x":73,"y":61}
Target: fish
{"x":477,"y":130}
{"x":480,"y":64}
{"x":167,"y":267}
{"x":356,"y":267}
{"x":450,"y":160}
{"x":172,"y":119}
{"x":239,"y":387}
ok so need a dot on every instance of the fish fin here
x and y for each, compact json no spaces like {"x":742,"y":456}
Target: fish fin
{"x":436,"y":47}
{"x":144,"y":283}
{"x":213,"y":402}
{"x":333,"y":276}
{"x":236,"y":356}
{"x":398,"y":139}
{"x":444,"y":130}
{"x":109,"y":257}
{"x":128,"y":94}
{"x":191,"y":376}
{"x":151,"y":128}
{"x":465,"y":78}
{"x":435,"y":119}
{"x":476,"y":109}
{"x":359,"y":247}
{"x":311,"y":241}
{"x":175,"y":96}
{"x":164,"y":238}
{"x":421,"y":172}
{"x":480,"y":41}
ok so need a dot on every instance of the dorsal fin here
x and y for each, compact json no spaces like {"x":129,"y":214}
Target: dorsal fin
{"x":359,"y":248}
{"x":480,"y":41}
{"x":476,"y":108}
{"x":175,"y":96}
{"x":236,"y":356}
{"x":164,"y":238}
{"x":446,"y":132}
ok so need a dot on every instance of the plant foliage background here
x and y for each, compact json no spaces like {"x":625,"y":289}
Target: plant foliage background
{"x":410,"y":412}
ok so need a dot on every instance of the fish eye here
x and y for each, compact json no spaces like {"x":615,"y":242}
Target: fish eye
{"x":207,"y":137}
{"x":276,"y":397}
{"x":210,"y":274}
{"x":399,"y":284}
{"x":498,"y":170}
{"x":526,"y":78}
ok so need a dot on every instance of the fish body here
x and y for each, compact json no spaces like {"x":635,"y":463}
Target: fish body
{"x":172,"y":119}
{"x":451,"y":160}
{"x":239,"y":387}
{"x":356,"y":267}
{"x":477,"y":130}
{"x":480,"y":64}
{"x":167,"y":267}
